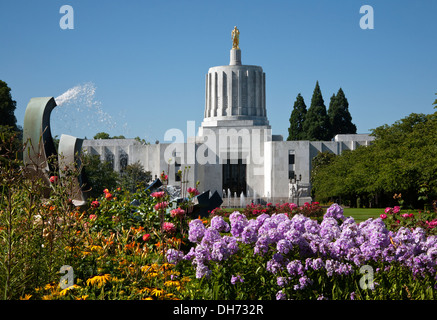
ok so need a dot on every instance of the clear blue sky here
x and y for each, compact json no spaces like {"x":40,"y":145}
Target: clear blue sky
{"x":148,"y":59}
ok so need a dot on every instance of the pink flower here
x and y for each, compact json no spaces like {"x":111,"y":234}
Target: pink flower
{"x":396,"y":209}
{"x":168,"y":227}
{"x":388,"y":210}
{"x":193,"y":192}
{"x":269,"y":204}
{"x":105,"y":191}
{"x":432,"y":224}
{"x":177,"y":212}
{"x":158,"y":194}
{"x":383,"y":216}
{"x":407,"y":215}
{"x":93,"y":217}
{"x":161,"y":205}
{"x":292,"y":206}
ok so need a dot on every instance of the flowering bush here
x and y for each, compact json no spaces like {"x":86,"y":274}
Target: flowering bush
{"x":254,"y":210}
{"x":119,"y":248}
{"x":395,"y":220}
{"x":299,"y":258}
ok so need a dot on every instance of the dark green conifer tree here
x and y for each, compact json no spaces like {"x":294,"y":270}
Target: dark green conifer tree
{"x":316,"y":126}
{"x":297,"y":118}
{"x":7,"y":107}
{"x":339,"y":116}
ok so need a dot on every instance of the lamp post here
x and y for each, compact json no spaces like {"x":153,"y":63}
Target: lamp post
{"x":297,"y":186}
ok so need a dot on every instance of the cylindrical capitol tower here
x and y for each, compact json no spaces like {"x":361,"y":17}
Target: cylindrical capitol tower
{"x":235,"y":91}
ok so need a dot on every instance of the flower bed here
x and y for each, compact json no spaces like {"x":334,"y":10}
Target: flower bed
{"x":274,"y":256}
{"x":118,"y":248}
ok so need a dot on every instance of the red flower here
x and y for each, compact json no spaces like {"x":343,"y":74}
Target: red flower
{"x":164,"y":177}
{"x":383,"y":216}
{"x":93,"y":217}
{"x":54,"y":179}
{"x":95,"y":204}
{"x":106,"y":191}
{"x":146,"y":237}
{"x":108,"y":196}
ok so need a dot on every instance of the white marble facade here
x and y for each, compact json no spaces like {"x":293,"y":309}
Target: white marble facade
{"x":235,"y":149}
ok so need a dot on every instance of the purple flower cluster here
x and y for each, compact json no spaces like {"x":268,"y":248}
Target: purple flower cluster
{"x":174,"y":256}
{"x":298,"y":245}
{"x":334,"y":211}
{"x":235,"y":279}
{"x":211,"y":245}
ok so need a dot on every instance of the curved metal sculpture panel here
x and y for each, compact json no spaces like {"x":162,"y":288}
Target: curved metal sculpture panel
{"x":69,"y":151}
{"x":40,"y":147}
{"x":37,"y":138}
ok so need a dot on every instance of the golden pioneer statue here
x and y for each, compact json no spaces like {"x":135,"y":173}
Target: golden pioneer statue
{"x":235,"y":38}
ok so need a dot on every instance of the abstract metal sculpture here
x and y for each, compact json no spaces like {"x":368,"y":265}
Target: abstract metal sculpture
{"x":40,"y":151}
{"x":69,"y":161}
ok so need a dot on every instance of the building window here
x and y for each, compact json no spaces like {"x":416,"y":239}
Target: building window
{"x":177,"y":168}
{"x":291,"y":164}
{"x":124,"y":160}
{"x":109,"y":157}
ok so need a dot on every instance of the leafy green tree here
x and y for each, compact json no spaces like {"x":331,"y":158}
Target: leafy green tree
{"x":316,"y":125}
{"x":297,"y":118}
{"x":102,"y":135}
{"x":402,"y":159}
{"x":98,"y":175}
{"x":339,"y":116}
{"x":134,"y":176}
{"x":7,"y":107}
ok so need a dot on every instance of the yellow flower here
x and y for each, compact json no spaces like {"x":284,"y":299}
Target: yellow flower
{"x":144,"y":290}
{"x":157,"y":292}
{"x":170,"y":283}
{"x":26,"y":297}
{"x":95,"y":248}
{"x":82,"y":297}
{"x":100,"y":280}
{"x":145,"y":268}
{"x":49,"y":286}
{"x":148,"y":298}
{"x":65,"y":291}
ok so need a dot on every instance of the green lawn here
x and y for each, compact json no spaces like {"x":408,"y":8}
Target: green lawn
{"x":362,"y":214}
{"x":359,"y":214}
